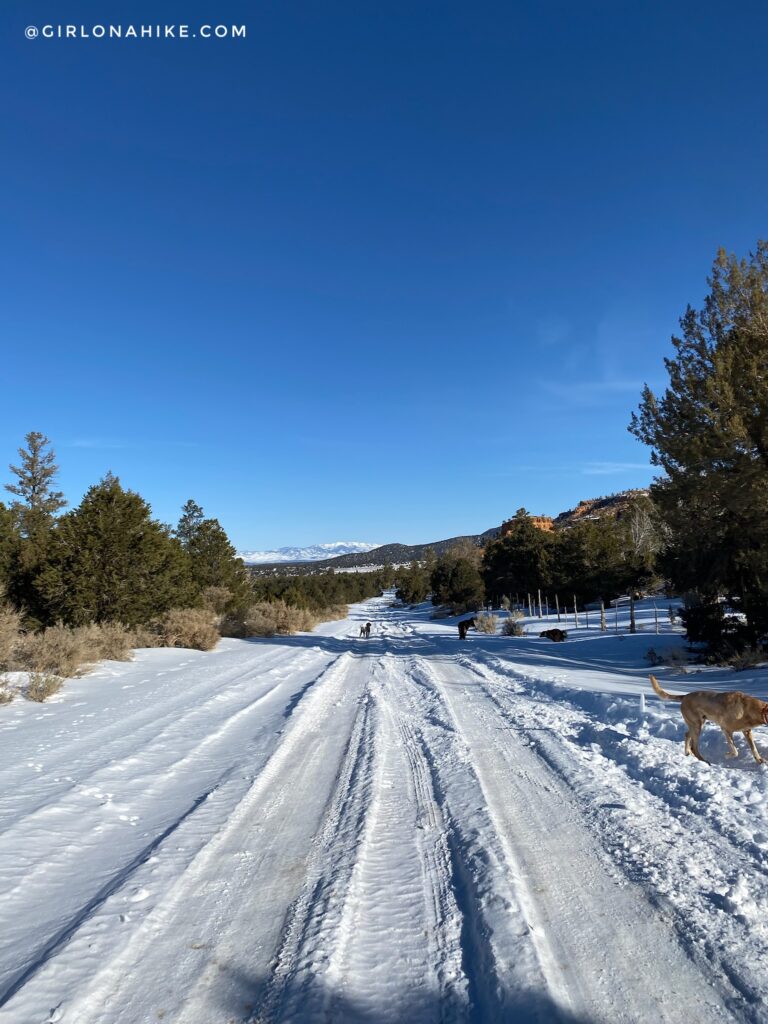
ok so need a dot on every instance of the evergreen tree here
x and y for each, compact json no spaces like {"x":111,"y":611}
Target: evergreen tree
{"x":412,"y":584}
{"x":709,"y":433}
{"x":34,"y":517}
{"x":455,"y":579}
{"x":214,"y":561}
{"x":36,"y":511}
{"x":9,"y":548}
{"x":192,"y":516}
{"x":520,"y":561}
{"x":108,"y":560}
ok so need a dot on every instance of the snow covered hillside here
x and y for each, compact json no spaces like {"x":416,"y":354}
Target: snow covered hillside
{"x":404,"y":829}
{"x":313,"y":553}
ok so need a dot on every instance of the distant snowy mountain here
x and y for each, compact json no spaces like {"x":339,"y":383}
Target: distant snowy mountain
{"x":314,"y":553}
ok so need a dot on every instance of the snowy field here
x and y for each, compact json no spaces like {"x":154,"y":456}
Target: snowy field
{"x":321,"y":828}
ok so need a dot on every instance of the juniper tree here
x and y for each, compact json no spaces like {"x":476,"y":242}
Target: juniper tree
{"x":520,"y":561}
{"x":108,"y":560}
{"x":214,"y":562}
{"x":9,"y":548}
{"x":455,"y":579}
{"x":709,"y":434}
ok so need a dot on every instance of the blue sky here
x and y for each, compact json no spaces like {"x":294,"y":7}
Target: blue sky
{"x":376,"y":271}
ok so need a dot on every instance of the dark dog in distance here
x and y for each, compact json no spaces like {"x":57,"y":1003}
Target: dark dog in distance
{"x":367,"y":630}
{"x":555,"y":635}
{"x":733,"y":711}
{"x":464,"y":625}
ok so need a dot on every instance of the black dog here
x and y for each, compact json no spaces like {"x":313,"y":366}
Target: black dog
{"x":464,"y":625}
{"x":367,"y":630}
{"x":555,"y":635}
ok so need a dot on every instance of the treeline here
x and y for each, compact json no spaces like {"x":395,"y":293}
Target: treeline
{"x":586,"y":562}
{"x":106,"y":576}
{"x":704,"y":528}
{"x":107,"y":559}
{"x":324,"y":590}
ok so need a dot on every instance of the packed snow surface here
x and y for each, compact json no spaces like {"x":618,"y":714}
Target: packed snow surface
{"x":313,"y":553}
{"x":408,"y":828}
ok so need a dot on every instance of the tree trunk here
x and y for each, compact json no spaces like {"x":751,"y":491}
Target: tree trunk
{"x":557,"y":605}
{"x":575,"y":613}
{"x":603,"y":626}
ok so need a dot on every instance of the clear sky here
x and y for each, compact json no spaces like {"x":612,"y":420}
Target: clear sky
{"x":377,"y":271}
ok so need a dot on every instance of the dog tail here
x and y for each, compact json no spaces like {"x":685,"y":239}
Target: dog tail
{"x":663,"y":693}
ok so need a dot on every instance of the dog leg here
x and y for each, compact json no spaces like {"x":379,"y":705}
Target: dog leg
{"x":752,"y":747}
{"x":732,"y":751}
{"x":695,"y":725}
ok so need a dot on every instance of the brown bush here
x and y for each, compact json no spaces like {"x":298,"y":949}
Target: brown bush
{"x":512,"y":627}
{"x":109,"y":640}
{"x":42,"y":685}
{"x":147,"y":636}
{"x":267,"y":618}
{"x":6,"y":695}
{"x":57,"y":650}
{"x":485,"y":623}
{"x":10,"y":631}
{"x":190,"y":627}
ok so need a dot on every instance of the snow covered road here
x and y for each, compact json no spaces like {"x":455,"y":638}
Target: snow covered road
{"x":409,"y":828}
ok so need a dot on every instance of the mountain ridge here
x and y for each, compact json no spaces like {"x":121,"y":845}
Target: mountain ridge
{"x":310,"y":553}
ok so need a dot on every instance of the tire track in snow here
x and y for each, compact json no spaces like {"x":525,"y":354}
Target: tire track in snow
{"x":701,"y":888}
{"x":220,"y":924}
{"x":127,"y":739}
{"x":603,"y":939}
{"x":377,"y":901}
{"x":400,"y":917}
{"x":500,"y":956}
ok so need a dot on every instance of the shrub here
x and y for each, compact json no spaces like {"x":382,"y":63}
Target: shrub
{"x":109,"y":640}
{"x":485,"y":623}
{"x":750,"y":657}
{"x":512,"y":627}
{"x":56,"y":650}
{"x":266,"y":618}
{"x":10,"y":629}
{"x":6,"y":695}
{"x":147,"y":636}
{"x":189,"y":627}
{"x":505,"y":603}
{"x":43,"y":685}
{"x":216,"y":599}
{"x":674,"y":657}
{"x":724,"y":634}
